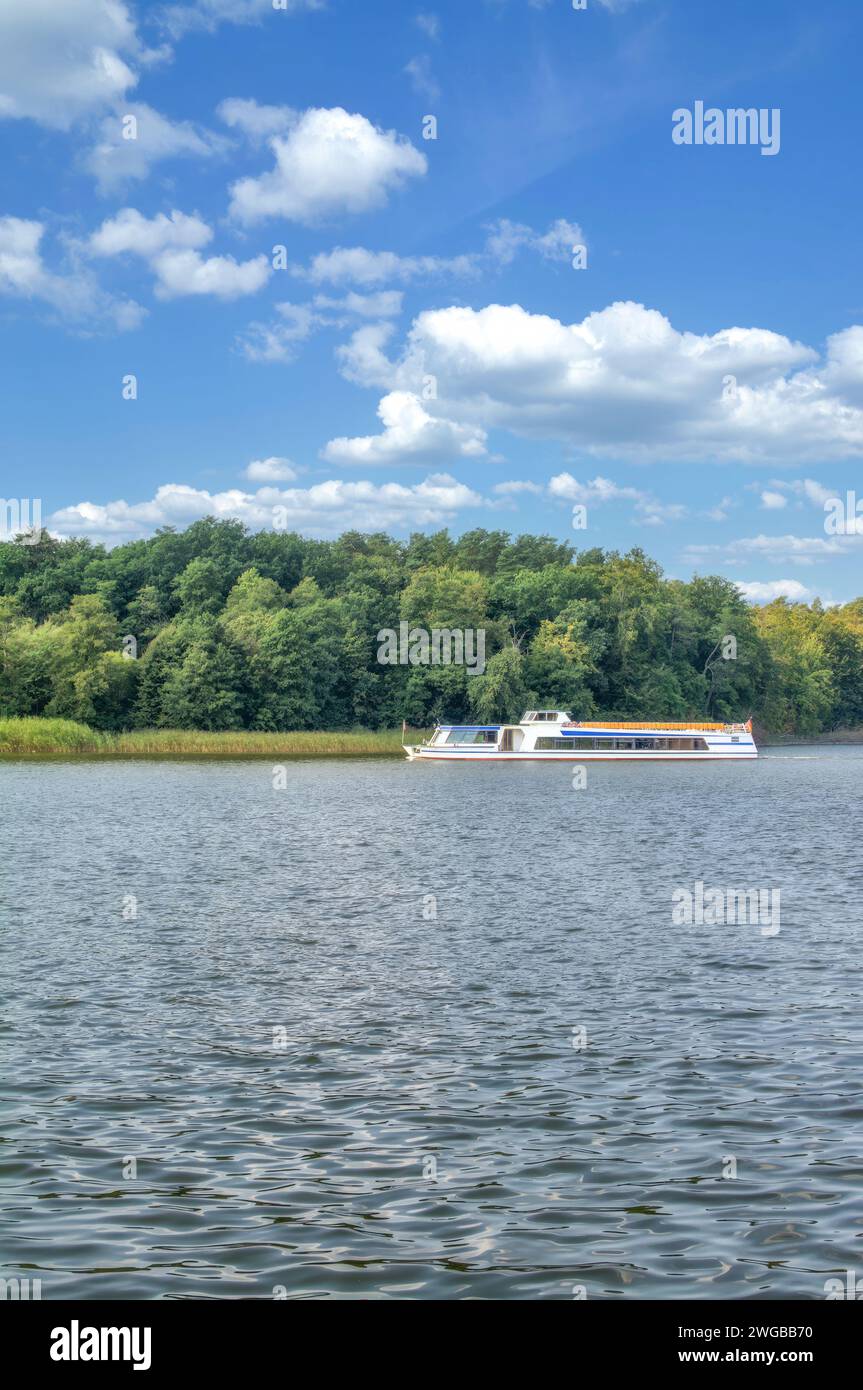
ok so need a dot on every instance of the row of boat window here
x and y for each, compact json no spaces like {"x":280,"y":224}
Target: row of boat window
{"x":673,"y":744}
{"x":647,"y":745}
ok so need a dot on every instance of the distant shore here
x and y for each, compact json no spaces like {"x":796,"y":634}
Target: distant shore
{"x":847,"y":736}
{"x":63,"y":738}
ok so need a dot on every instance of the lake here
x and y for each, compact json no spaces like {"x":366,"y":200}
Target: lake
{"x":414,"y":1031}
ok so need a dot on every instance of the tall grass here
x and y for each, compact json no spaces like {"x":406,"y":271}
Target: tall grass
{"x":60,"y":737}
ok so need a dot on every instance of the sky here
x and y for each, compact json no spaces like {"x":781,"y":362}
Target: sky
{"x":376,"y":265}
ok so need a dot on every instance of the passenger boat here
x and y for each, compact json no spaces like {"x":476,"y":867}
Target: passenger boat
{"x":553,"y":735}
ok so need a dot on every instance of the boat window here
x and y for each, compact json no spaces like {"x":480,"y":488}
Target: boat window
{"x":557,"y":745}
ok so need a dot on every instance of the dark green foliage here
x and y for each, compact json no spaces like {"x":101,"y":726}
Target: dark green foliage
{"x":274,"y":632}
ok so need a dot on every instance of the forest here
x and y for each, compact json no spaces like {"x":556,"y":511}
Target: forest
{"x":214,"y":628}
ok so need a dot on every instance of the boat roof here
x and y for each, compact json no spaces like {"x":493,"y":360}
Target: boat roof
{"x":561,"y":717}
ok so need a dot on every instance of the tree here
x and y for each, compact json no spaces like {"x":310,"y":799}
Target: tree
{"x":499,"y":694}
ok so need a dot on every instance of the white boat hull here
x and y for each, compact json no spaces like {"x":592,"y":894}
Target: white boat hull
{"x":416,"y":754}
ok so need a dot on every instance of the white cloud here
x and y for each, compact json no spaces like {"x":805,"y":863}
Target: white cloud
{"x":516,"y":486}
{"x":278,"y":341}
{"x":271,"y":470}
{"x":648,"y":509}
{"x":363,"y":359}
{"x":773,"y":501}
{"x":207,"y":15}
{"x":75,"y":296}
{"x":60,"y":62}
{"x":130,"y":231}
{"x":788,"y":549}
{"x":720,"y":511}
{"x":331,"y":162}
{"x":507,"y":238}
{"x":805,"y":488}
{"x":187,"y":272}
{"x":616,"y":6}
{"x":115,"y":160}
{"x":421,"y":76}
{"x":170,"y":246}
{"x":765,"y":592}
{"x":256,"y":122}
{"x":600,"y":490}
{"x":410,"y":435}
{"x":430,"y":25}
{"x":625,"y":383}
{"x":355,"y":265}
{"x":328,"y":508}
{"x":384,"y":305}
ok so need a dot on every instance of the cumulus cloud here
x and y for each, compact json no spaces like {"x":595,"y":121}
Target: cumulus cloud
{"x":255,"y":121}
{"x":188,"y":272}
{"x":68,"y":63}
{"x":75,"y":296}
{"x":410,"y":435}
{"x":271,"y":470}
{"x":61,"y":62}
{"x":624,"y":382}
{"x":170,"y":245}
{"x":765,"y":592}
{"x":130,"y":231}
{"x":114,"y":160}
{"x":773,"y":501}
{"x":326,"y":509}
{"x":330,"y":162}
{"x":363,"y":359}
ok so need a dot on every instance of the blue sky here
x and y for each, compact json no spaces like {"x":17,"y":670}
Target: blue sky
{"x":429,"y":355}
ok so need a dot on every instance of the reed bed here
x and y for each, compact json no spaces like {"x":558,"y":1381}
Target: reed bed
{"x":64,"y":737}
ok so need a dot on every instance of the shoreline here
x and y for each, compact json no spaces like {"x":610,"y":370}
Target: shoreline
{"x":42,"y":739}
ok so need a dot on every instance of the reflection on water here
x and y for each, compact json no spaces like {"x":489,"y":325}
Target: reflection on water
{"x":328,"y":1040}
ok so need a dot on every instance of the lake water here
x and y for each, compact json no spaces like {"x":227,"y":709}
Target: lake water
{"x":329,"y":1049}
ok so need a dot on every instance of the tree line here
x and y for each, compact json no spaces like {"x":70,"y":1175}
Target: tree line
{"x":272,"y":631}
